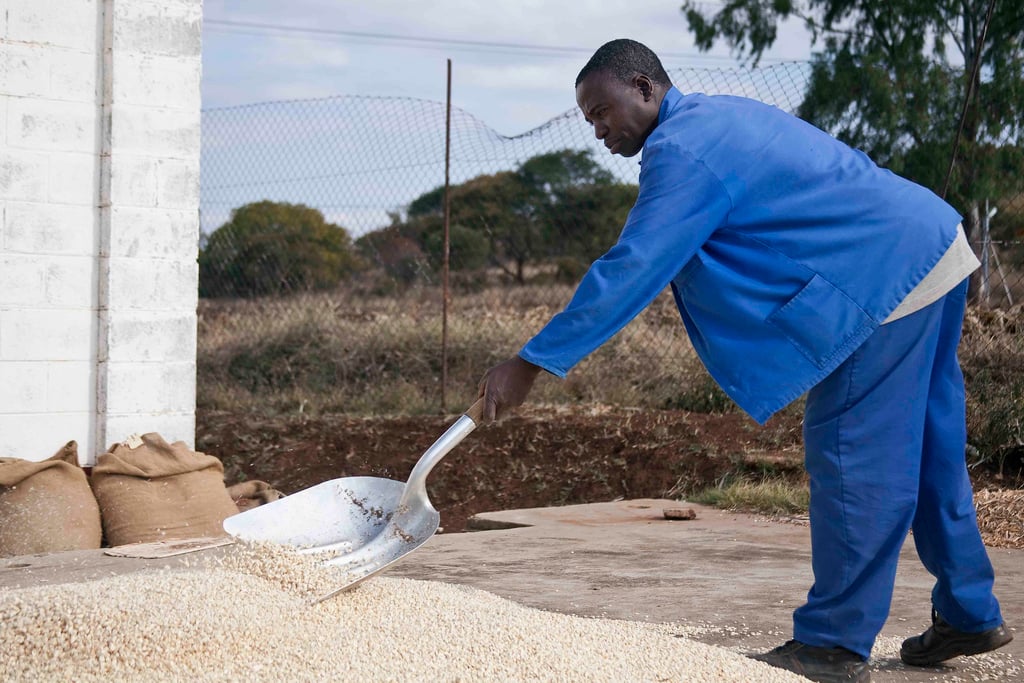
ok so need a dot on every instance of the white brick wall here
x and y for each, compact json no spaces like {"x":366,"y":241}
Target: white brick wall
{"x":56,"y":23}
{"x":24,"y":175}
{"x":171,"y":234}
{"x":99,"y":197}
{"x":42,"y":228}
{"x":47,"y":335}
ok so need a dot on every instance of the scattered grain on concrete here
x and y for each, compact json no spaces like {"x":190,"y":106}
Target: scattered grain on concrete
{"x":248,"y":617}
{"x":1001,"y":665}
{"x":991,"y":666}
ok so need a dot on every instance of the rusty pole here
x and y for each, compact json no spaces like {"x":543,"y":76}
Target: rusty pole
{"x":446,"y":292}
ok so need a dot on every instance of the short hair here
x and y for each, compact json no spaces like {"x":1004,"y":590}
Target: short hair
{"x":624,"y":58}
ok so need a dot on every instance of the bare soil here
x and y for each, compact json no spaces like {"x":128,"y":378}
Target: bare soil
{"x":539,"y":457}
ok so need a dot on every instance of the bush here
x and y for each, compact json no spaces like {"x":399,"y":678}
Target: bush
{"x":995,"y":421}
{"x":992,"y":357}
{"x":270,"y":248}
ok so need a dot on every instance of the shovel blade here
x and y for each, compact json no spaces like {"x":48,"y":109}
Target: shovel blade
{"x":340,"y":514}
{"x":402,"y":535}
{"x":371,"y":522}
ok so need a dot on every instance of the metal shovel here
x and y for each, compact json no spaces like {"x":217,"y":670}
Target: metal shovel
{"x":367,"y":523}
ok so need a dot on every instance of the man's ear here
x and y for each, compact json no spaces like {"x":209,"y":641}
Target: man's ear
{"x":645,"y":85}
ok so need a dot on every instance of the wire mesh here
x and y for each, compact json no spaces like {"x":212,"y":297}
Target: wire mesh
{"x":327,"y":214}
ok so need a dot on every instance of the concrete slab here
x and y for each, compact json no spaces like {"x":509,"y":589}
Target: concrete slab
{"x":722,"y":578}
{"x":727,"y":579}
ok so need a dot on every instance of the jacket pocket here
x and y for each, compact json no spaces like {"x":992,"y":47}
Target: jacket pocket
{"x":819,"y":320}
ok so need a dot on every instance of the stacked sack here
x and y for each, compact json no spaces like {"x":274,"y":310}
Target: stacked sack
{"x":252,"y":493}
{"x":141,"y":491}
{"x":149,"y":490}
{"x":47,"y":506}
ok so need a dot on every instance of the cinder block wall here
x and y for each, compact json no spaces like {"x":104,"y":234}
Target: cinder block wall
{"x":99,"y":194}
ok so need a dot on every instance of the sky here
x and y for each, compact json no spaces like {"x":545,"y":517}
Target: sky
{"x":513,"y":61}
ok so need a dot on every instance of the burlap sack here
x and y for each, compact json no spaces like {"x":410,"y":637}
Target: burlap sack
{"x":149,"y":490}
{"x":47,"y":506}
{"x":252,"y":493}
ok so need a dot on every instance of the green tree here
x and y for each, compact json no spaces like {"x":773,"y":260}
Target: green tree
{"x":556,"y":172}
{"x":468,"y":249}
{"x":578,"y":204}
{"x":397,"y":250}
{"x":428,"y":203}
{"x":589,"y":219}
{"x":274,"y":248}
{"x":559,"y":204}
{"x":499,"y":207}
{"x":889,"y":78}
{"x":412,"y":249}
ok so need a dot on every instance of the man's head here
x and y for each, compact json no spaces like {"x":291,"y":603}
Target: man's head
{"x":619,"y":92}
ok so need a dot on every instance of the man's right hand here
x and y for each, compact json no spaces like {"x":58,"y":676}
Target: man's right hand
{"x":506,"y":386}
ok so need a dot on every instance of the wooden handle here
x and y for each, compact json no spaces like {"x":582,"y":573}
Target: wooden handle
{"x":476,"y":411}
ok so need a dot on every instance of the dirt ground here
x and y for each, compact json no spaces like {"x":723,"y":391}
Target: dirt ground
{"x":541,"y":456}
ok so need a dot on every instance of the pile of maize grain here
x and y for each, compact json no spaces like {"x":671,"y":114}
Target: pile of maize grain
{"x":249,"y":616}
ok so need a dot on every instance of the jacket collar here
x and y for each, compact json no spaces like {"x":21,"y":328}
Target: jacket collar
{"x":669,"y":103}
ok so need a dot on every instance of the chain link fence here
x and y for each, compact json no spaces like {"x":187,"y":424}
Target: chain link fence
{"x":322,"y":254}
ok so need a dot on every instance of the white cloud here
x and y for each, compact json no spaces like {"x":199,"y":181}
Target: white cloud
{"x":511,"y":90}
{"x":300,"y":54}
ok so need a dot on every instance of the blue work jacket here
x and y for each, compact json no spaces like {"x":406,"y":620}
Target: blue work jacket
{"x":785,"y":249}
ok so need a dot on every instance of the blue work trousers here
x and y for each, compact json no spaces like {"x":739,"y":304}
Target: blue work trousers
{"x":885,"y":436}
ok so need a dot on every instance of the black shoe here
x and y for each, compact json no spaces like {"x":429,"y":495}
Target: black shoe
{"x":941,"y":642}
{"x":821,"y":664}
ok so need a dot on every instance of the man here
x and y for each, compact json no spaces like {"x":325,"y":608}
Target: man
{"x":799,"y":267}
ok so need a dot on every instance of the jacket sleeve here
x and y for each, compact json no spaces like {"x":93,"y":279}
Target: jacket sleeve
{"x":679,"y":206}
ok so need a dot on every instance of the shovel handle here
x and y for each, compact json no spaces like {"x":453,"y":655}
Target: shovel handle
{"x":416,"y":486}
{"x":476,"y":411}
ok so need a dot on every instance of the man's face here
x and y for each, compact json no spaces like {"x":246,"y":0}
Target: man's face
{"x":622,"y":114}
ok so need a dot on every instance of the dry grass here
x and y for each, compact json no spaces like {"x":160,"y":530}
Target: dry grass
{"x":1000,"y":511}
{"x":769,"y":497}
{"x":358,"y":354}
{"x":1001,"y":517}
{"x":992,"y":356}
